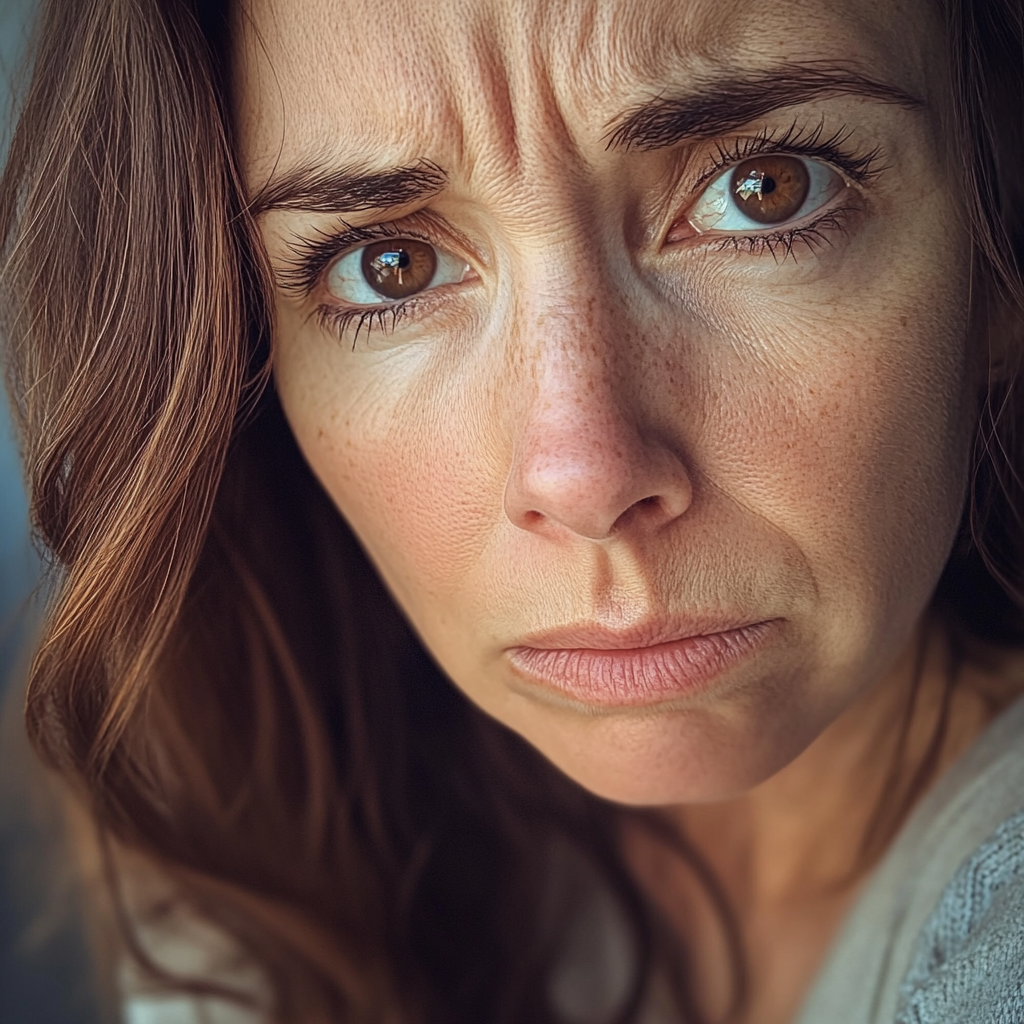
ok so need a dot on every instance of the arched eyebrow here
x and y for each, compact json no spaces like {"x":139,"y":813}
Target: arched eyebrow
{"x":330,"y":190}
{"x":721,"y":105}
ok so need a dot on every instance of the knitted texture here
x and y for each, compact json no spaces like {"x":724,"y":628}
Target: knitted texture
{"x":968,"y":964}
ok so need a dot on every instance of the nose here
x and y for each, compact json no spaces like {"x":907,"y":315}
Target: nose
{"x":583,"y":461}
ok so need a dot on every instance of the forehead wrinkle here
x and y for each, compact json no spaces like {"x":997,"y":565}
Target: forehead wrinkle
{"x":459,"y":82}
{"x":483,"y":110}
{"x":331,"y":105}
{"x":477,"y":79}
{"x":616,"y":45}
{"x":509,"y":110}
{"x":615,"y":54}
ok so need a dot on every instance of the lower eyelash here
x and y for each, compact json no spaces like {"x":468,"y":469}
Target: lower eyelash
{"x":382,"y":318}
{"x":782,"y":245}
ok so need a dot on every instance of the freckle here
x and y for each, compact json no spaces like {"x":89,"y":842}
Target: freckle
{"x":903,"y":320}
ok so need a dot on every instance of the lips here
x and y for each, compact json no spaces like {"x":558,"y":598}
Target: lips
{"x":647,"y":664}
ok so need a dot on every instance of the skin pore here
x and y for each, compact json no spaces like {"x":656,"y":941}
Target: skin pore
{"x":617,"y":406}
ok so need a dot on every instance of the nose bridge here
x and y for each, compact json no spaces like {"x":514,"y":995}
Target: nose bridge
{"x":583,"y":456}
{"x":574,"y":344}
{"x":573,"y":324}
{"x":570,"y":345}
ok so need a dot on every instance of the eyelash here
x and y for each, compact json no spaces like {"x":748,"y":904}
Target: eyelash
{"x":794,"y":141}
{"x":310,"y":257}
{"x":815,"y":236}
{"x":797,"y":141}
{"x":339,"y":319}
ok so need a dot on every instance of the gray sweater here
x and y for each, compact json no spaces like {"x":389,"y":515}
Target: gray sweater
{"x":937,"y":936}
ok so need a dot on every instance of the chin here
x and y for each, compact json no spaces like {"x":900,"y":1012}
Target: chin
{"x":671,"y":757}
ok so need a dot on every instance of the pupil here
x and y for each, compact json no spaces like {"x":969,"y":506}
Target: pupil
{"x":771,"y":189}
{"x":386,"y":262}
{"x":399,"y":268}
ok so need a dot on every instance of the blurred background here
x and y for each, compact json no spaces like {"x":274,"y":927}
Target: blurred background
{"x":43,"y":972}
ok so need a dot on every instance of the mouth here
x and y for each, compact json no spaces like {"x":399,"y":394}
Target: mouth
{"x":650,"y":664}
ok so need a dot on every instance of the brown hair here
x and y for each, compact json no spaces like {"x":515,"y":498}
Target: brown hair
{"x":223,"y":681}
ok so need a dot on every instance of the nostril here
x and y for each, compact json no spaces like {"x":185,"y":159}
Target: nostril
{"x":649,"y":509}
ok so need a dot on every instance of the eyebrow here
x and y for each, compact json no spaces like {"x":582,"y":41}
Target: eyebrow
{"x":321,"y":190}
{"x":712,"y":109}
{"x":723,"y":105}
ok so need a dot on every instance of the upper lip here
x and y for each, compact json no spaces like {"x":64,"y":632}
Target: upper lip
{"x":649,"y":633}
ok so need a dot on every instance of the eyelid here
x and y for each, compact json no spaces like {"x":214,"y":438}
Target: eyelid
{"x":855,"y":166}
{"x":311,"y":252}
{"x":312,"y":256}
{"x":796,"y":140}
{"x":825,"y":184}
{"x":347,"y":273}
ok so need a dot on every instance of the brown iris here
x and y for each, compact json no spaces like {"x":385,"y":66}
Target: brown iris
{"x":399,"y":268}
{"x":770,"y":189}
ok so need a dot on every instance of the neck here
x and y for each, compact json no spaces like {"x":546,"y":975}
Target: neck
{"x":820,"y":823}
{"x":790,"y":855}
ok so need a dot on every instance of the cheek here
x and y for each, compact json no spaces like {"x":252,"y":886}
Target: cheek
{"x":427,"y":515}
{"x":841,"y":425}
{"x":399,"y":462}
{"x":851,"y":434}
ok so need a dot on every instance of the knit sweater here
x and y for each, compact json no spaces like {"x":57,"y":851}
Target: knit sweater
{"x":937,"y":935}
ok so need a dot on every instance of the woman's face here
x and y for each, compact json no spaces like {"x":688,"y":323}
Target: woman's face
{"x":631,"y":338}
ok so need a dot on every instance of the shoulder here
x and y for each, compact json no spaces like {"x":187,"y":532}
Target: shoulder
{"x":186,"y":947}
{"x":968,"y":963}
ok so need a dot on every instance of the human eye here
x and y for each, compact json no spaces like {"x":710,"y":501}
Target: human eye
{"x":766,"y":193}
{"x":391,"y":270}
{"x":369,"y":278}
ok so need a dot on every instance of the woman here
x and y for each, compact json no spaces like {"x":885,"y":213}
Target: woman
{"x":661,"y":357}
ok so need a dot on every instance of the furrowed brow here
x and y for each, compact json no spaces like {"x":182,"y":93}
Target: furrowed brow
{"x":322,"y":190}
{"x":724,"y":105}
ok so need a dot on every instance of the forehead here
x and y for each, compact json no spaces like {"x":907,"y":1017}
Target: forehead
{"x":375,"y":83}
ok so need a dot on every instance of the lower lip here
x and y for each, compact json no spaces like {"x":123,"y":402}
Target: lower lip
{"x":642,"y":675}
